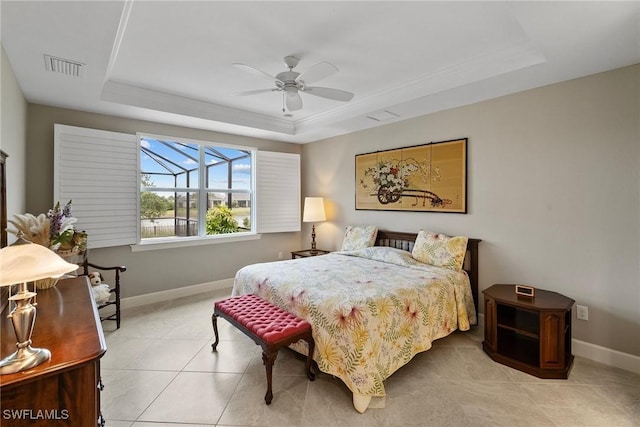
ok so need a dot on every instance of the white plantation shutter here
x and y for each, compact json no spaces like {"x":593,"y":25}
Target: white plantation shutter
{"x":277,"y":192}
{"x":98,"y":170}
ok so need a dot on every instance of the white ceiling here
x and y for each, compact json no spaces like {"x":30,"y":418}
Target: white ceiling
{"x":170,"y":61}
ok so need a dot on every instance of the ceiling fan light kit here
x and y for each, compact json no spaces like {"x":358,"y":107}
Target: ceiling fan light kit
{"x":291,"y":83}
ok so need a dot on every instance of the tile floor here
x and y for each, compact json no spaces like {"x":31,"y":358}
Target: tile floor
{"x":159,"y":370}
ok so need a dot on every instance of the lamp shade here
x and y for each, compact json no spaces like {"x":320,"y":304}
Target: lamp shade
{"x":313,"y":210}
{"x":24,"y":261}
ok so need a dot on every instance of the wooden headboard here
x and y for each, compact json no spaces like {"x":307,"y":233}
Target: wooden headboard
{"x":405,"y":241}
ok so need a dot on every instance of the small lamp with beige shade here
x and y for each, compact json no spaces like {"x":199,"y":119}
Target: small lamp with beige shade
{"x":20,"y":263}
{"x":313,"y":212}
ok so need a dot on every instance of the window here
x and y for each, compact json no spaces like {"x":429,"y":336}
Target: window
{"x":119,"y":181}
{"x":191,"y":188}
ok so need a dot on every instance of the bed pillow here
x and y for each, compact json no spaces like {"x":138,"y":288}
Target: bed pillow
{"x":359,"y":237}
{"x":384,"y":254}
{"x":440,"y":250}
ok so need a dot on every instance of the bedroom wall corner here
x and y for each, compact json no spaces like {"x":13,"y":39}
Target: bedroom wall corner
{"x":553,"y":192}
{"x":13,"y":136}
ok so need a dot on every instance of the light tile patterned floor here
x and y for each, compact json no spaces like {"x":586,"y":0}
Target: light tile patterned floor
{"x":159,"y":370}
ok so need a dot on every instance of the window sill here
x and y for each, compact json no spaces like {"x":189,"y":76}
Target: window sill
{"x":181,"y":242}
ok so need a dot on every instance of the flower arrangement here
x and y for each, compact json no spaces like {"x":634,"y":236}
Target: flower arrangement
{"x":393,"y":176}
{"x":55,"y":229}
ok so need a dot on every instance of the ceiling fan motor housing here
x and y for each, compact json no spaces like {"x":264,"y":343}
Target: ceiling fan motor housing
{"x":291,"y":61}
{"x":287,"y":76}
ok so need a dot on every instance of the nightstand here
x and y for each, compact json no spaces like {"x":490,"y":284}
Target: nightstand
{"x":308,"y":252}
{"x":531,"y":334}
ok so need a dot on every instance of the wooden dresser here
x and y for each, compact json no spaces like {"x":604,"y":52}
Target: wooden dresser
{"x":64,"y":391}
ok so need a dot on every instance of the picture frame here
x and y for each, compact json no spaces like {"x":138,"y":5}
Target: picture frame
{"x":425,"y":178}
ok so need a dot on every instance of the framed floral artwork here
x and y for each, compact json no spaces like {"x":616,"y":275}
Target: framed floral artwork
{"x":429,"y":178}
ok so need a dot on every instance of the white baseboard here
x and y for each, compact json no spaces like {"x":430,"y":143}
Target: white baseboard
{"x":606,"y":356}
{"x":597,"y":353}
{"x":172,"y":294}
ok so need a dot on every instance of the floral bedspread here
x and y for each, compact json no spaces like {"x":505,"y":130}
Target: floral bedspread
{"x":371,"y":310}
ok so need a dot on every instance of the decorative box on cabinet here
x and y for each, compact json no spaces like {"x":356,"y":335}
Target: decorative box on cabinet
{"x":65,"y":391}
{"x":531,"y":334}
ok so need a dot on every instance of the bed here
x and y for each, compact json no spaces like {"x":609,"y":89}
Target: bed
{"x":371,"y":309}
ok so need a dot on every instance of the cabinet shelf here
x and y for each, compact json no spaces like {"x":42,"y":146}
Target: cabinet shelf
{"x":518,"y":347}
{"x":529,"y":334}
{"x":518,"y":319}
{"x":519,"y":331}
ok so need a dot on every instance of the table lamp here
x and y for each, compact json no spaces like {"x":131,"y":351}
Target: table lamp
{"x":313,"y":212}
{"x":20,"y":263}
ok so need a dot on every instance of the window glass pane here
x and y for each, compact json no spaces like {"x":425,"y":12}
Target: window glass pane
{"x":168,"y":164}
{"x":166,"y":214}
{"x":218,"y":175}
{"x":224,"y":218}
{"x":187,"y":214}
{"x":241,"y":174}
{"x":156,"y":214}
{"x":189,"y":177}
{"x":223,"y":163}
{"x":213,"y":156}
{"x":241,"y":209}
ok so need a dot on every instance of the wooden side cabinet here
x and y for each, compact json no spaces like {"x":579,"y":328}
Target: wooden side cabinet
{"x":65,"y":391}
{"x":531,"y":334}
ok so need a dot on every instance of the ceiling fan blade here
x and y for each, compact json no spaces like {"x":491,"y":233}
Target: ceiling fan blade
{"x":294,"y":102}
{"x":329,"y":93}
{"x":255,"y":71}
{"x":317,"y":72}
{"x":255,"y":92}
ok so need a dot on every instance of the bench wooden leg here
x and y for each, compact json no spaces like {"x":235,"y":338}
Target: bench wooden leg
{"x":214,"y":322}
{"x":268,"y":361}
{"x":312,"y":345}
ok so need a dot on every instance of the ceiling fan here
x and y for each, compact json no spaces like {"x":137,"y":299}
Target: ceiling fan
{"x":291,"y":83}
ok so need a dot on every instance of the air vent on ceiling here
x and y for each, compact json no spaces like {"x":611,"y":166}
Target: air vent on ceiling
{"x":64,"y":66}
{"x":382,"y":116}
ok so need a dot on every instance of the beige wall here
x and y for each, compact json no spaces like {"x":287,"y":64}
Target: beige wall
{"x":13,"y":136}
{"x":553,"y":191}
{"x":157,"y":270}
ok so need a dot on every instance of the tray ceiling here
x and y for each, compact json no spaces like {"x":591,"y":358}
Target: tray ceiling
{"x":171,"y":61}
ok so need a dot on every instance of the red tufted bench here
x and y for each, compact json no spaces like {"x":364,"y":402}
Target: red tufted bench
{"x":269,"y":326}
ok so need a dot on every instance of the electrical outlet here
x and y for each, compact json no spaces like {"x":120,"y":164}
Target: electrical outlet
{"x":582,"y":312}
{"x":280,"y":255}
